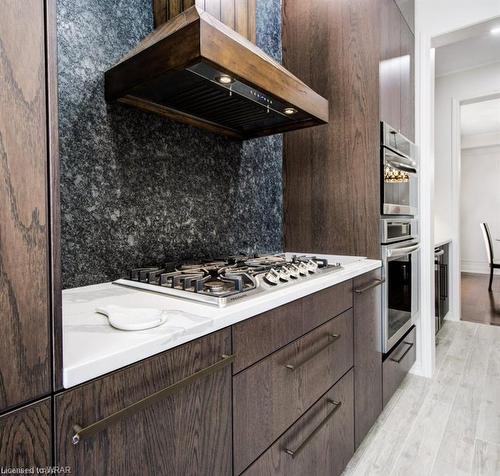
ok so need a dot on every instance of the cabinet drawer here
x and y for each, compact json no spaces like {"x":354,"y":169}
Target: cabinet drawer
{"x":398,"y":363}
{"x":322,"y":440}
{"x":269,"y":396}
{"x":255,"y":338}
{"x":187,"y":431}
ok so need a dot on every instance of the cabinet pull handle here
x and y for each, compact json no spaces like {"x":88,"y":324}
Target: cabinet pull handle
{"x":373,"y":284}
{"x":295,"y":452}
{"x":397,"y":360}
{"x":331,"y":338}
{"x":148,"y":401}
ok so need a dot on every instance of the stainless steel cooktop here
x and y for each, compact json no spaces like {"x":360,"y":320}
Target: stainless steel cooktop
{"x":222,"y":281}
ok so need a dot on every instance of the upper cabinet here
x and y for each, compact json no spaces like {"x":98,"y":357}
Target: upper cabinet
{"x":24,"y":228}
{"x":407,"y":81}
{"x":397,"y":70}
{"x":332,"y":173}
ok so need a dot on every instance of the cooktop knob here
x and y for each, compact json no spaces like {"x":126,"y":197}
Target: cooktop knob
{"x":294,"y":271}
{"x":312,"y":266}
{"x":272,"y":277}
{"x":284,"y":274}
{"x":303,"y":269}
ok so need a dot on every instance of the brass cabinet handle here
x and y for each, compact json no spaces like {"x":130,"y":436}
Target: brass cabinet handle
{"x":372,"y":285}
{"x":296,"y":451}
{"x":148,"y":401}
{"x":410,"y":345}
{"x":331,"y":337}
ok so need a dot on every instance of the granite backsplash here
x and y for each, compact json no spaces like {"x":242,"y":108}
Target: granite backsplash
{"x":137,"y":189}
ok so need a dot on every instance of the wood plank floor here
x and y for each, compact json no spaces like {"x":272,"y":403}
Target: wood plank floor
{"x":445,"y":426}
{"x":478,"y":304}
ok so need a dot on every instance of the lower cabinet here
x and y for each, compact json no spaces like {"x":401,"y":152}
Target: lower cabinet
{"x":321,"y":442}
{"x":271,"y":395}
{"x":26,"y":437}
{"x":111,"y":426}
{"x":296,"y":405}
{"x":367,"y":352}
{"x":398,"y":363}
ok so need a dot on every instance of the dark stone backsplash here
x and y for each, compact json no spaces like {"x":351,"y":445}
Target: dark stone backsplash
{"x":137,"y":189}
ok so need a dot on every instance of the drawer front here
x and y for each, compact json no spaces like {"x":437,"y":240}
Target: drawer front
{"x":398,"y":363}
{"x":269,"y":396}
{"x":26,"y":437}
{"x":161,"y":438}
{"x":322,"y":440}
{"x":258,"y":337}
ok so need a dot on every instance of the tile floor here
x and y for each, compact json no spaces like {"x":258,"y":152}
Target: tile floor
{"x":445,"y":426}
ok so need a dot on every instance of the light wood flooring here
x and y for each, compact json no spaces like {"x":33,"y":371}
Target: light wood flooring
{"x":448,"y":425}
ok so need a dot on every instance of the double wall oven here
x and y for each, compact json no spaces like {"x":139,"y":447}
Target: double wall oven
{"x":399,"y":236}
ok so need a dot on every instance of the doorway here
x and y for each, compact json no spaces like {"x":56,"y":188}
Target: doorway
{"x":479,"y":203}
{"x":467,"y":174}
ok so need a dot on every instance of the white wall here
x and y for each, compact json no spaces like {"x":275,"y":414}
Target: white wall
{"x":463,"y":85}
{"x":479,"y":201}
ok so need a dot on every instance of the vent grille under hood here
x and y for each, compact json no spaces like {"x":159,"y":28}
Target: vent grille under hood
{"x":196,"y":70}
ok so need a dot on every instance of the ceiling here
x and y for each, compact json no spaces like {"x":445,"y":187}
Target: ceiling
{"x":467,"y":54}
{"x":480,"y":117}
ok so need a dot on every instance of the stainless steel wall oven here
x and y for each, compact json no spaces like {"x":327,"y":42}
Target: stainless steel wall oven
{"x":400,"y":289}
{"x":399,"y":173}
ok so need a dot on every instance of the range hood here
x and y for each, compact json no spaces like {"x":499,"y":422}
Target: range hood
{"x":196,"y":70}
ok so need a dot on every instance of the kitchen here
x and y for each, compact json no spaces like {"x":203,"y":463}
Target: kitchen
{"x":214,"y":233}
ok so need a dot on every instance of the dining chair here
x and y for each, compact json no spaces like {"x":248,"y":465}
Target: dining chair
{"x":489,"y":251}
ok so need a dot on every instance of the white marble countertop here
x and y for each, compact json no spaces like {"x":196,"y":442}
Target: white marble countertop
{"x":441,"y":242}
{"x":91,"y":347}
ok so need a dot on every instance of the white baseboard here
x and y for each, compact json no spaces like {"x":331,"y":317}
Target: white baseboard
{"x":477,"y":267}
{"x":417,"y":370}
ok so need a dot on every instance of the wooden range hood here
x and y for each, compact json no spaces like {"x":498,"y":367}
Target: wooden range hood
{"x":196,"y":70}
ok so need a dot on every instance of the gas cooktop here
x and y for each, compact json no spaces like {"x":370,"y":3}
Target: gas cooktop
{"x":226,"y":280}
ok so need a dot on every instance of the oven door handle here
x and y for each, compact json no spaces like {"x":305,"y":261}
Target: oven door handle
{"x":397,"y":164}
{"x":397,"y":252}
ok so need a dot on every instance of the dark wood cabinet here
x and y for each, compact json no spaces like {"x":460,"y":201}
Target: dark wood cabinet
{"x":270,"y":395}
{"x":188,"y":432}
{"x":390,"y":63}
{"x":25,"y":367}
{"x":367,"y":352}
{"x":258,"y":337}
{"x":26,"y":437}
{"x":407,"y":81}
{"x":332,"y":172}
{"x":398,"y":363}
{"x":397,"y":70}
{"x":320,"y":443}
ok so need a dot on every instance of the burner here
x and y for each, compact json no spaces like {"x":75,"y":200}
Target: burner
{"x":215,"y":286}
{"x":270,"y":260}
